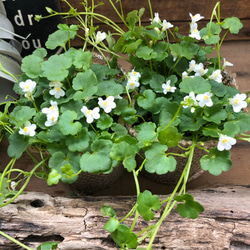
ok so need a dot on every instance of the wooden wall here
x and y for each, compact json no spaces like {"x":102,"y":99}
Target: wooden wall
{"x":176,"y":12}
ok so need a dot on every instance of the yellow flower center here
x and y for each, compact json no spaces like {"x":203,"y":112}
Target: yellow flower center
{"x":57,"y":89}
{"x":89,"y":112}
{"x":224,"y":140}
{"x":105,"y":103}
{"x":206,"y":97}
{"x":236,"y":101}
{"x":132,"y":83}
{"x":26,"y":129}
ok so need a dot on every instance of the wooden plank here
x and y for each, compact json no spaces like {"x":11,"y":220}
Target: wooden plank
{"x":178,"y":16}
{"x":172,"y":10}
{"x":78,"y":223}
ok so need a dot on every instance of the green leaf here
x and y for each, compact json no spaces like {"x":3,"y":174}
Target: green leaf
{"x":31,"y":65}
{"x":233,"y":24}
{"x":190,"y":121}
{"x":147,"y":99}
{"x":124,"y":149}
{"x":215,"y":114}
{"x":210,"y":34}
{"x":146,"y":134}
{"x":157,"y":161}
{"x":231,"y":128}
{"x":22,"y":114}
{"x":181,"y":50}
{"x":61,"y":37}
{"x":78,"y":142}
{"x":17,"y":144}
{"x":128,"y":115}
{"x":67,"y":125}
{"x":102,"y":145}
{"x":67,"y":171}
{"x":111,"y":225}
{"x":124,"y":237}
{"x":105,"y":121}
{"x":146,"y":203}
{"x":161,"y":49}
{"x":108,"y":211}
{"x":216,"y":162}
{"x":96,"y":162}
{"x":64,"y":164}
{"x":189,"y":208}
{"x":109,"y":88}
{"x":196,"y":84}
{"x":130,"y":163}
{"x":48,"y":246}
{"x":56,"y":67}
{"x":83,"y":59}
{"x":146,"y":53}
{"x":169,"y":136}
{"x":87,"y":82}
{"x":53,"y":177}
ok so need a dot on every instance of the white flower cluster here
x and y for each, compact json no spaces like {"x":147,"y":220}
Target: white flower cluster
{"x":194,"y":32}
{"x":165,"y":24}
{"x":52,"y":114}
{"x":107,"y":105}
{"x":133,"y":79}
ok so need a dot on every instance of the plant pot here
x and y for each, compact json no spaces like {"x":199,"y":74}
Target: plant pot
{"x":89,"y":183}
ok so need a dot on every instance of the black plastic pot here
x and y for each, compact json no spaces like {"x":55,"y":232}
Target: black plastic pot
{"x":22,"y":13}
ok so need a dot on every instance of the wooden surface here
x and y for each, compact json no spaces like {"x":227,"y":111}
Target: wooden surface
{"x":174,"y":11}
{"x":78,"y":223}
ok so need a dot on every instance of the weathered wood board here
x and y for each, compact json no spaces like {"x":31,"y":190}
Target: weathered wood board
{"x":37,"y":217}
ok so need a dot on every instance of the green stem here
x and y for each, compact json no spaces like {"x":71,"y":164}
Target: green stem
{"x":25,"y":184}
{"x":15,"y":241}
{"x":171,"y":203}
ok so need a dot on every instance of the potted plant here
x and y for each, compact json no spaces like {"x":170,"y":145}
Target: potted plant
{"x":89,"y":117}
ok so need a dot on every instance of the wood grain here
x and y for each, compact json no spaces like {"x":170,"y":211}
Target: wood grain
{"x":37,"y":217}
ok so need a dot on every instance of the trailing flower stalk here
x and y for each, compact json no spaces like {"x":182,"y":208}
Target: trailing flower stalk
{"x":89,"y":117}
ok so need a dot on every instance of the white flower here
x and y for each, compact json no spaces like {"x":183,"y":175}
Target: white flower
{"x":29,"y":129}
{"x":166,"y":25}
{"x":91,"y":114}
{"x":86,"y":32}
{"x":134,"y":73}
{"x":226,"y":63}
{"x":13,"y":185}
{"x":189,"y":100}
{"x":167,"y":88}
{"x":52,"y":119}
{"x":194,"y":32}
{"x":205,"y":99}
{"x":225,"y":142}
{"x":28,"y":87}
{"x":100,"y":36}
{"x":51,"y":109}
{"x":195,"y":18}
{"x":52,"y":114}
{"x":156,"y":18}
{"x":199,"y":70}
{"x":184,"y":75}
{"x":107,"y":104}
{"x":56,"y":90}
{"x":216,"y":76}
{"x":238,"y":102}
{"x":192,"y":65}
{"x":132,"y":83}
